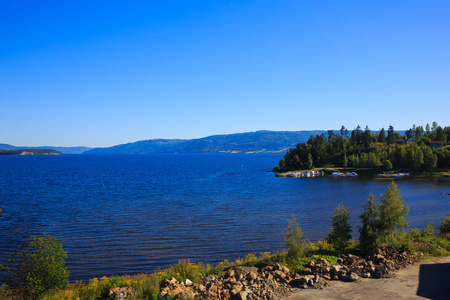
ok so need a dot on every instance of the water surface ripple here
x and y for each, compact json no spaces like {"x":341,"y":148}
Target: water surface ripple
{"x":119,"y":214}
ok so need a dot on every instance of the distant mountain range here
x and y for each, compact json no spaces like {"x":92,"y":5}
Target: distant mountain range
{"x":250,"y":142}
{"x":263,"y":141}
{"x":65,"y":150}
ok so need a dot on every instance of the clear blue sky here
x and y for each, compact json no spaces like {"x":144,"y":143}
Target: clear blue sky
{"x":101,"y":73}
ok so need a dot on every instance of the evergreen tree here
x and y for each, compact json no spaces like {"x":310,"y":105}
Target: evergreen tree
{"x":310,"y":161}
{"x":390,"y":135}
{"x":381,"y":220}
{"x":382,"y":136}
{"x":293,"y":237}
{"x":345,"y":162}
{"x":368,"y":232}
{"x":340,"y":233}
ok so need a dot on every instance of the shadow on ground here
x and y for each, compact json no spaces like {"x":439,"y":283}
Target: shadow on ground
{"x":434,"y":281}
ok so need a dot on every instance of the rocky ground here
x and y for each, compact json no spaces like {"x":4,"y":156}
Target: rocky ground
{"x":277,"y":282}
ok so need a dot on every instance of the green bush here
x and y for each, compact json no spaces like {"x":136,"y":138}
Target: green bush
{"x":5,"y":293}
{"x":37,"y":267}
{"x":445,"y":226}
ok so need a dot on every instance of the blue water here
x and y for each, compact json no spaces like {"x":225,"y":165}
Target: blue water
{"x":132,"y":214}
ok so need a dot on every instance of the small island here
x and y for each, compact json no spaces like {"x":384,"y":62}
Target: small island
{"x":30,"y":152}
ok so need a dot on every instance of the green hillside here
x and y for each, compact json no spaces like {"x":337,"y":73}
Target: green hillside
{"x":250,"y":142}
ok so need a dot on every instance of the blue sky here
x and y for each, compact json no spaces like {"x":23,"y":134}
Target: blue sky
{"x":101,"y":73}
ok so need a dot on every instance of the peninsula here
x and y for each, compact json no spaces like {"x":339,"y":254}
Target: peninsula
{"x":30,"y":152}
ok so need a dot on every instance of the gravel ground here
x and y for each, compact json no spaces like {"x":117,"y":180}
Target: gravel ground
{"x":428,"y":279}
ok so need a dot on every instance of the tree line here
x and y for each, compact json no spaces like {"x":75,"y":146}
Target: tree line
{"x":383,"y":223}
{"x":416,"y":149}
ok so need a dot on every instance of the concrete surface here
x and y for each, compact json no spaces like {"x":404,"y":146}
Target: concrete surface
{"x":425,"y":280}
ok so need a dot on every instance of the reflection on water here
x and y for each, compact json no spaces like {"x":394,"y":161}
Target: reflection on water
{"x":132,"y":214}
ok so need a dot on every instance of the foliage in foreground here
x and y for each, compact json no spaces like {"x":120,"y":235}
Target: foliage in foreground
{"x":146,"y":286}
{"x":445,"y":226}
{"x":37,"y":268}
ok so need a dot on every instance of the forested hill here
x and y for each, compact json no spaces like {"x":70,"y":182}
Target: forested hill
{"x":416,"y":149}
{"x":30,"y":152}
{"x":65,"y":150}
{"x":249,"y":142}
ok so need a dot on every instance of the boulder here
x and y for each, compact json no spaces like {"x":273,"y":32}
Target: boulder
{"x":353,"y":277}
{"x":120,"y":293}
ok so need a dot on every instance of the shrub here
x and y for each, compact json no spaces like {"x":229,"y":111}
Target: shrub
{"x":5,"y":293}
{"x":340,"y":232}
{"x":428,"y":232}
{"x":445,"y":226}
{"x":37,"y":267}
{"x":387,"y":165}
{"x":293,"y":237}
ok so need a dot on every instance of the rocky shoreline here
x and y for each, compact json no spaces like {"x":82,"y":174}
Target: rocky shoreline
{"x":276,"y":282}
{"x":301,"y":174}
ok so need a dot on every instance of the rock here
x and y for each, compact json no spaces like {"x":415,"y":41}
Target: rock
{"x":120,"y":293}
{"x":335,"y":269}
{"x":211,"y":277}
{"x":353,"y":277}
{"x":309,"y":265}
{"x":300,"y":282}
{"x":179,"y":289}
{"x":357,"y":270}
{"x":243,"y":295}
{"x":162,"y":295}
{"x":211,"y":287}
{"x":237,"y":287}
{"x":267,"y":269}
{"x":320,"y":283}
{"x":379,"y":258}
{"x":279,"y":274}
{"x":186,"y":295}
{"x":345,"y":268}
{"x":307,"y":271}
{"x":252,"y":276}
{"x":230,"y":273}
{"x":243,"y":269}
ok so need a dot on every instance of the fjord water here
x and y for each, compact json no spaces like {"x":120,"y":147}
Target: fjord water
{"x":119,"y":214}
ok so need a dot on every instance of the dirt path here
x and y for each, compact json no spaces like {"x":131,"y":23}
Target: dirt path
{"x":426,"y":280}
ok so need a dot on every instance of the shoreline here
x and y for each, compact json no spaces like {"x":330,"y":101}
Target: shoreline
{"x":368,"y":173}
